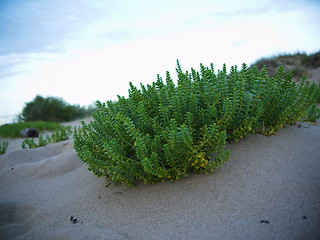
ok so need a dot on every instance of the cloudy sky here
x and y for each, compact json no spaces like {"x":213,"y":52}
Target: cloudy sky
{"x":86,"y":50}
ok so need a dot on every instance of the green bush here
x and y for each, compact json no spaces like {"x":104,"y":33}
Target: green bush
{"x":13,"y":130}
{"x":3,"y":147}
{"x":51,"y":109}
{"x":166,"y":130}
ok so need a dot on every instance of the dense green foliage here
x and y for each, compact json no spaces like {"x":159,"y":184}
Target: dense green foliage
{"x":13,"y":130}
{"x":167,"y":130}
{"x":51,"y":109}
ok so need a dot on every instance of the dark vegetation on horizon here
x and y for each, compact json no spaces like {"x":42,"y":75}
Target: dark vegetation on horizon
{"x":299,"y":63}
{"x":52,"y":109}
{"x":45,"y":114}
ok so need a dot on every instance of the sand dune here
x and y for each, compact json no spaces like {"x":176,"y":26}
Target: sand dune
{"x":270,"y":189}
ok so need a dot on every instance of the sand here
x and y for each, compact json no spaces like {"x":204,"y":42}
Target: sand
{"x":269,"y":189}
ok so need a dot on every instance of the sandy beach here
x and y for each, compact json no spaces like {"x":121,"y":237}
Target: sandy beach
{"x":269,"y":189}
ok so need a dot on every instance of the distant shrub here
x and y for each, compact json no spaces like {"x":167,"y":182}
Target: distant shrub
{"x":13,"y":130}
{"x":3,"y":147}
{"x":312,"y":61}
{"x":165,"y":131}
{"x":60,"y":135}
{"x":91,"y":108}
{"x":51,"y":109}
{"x":299,"y":63}
{"x":29,"y":142}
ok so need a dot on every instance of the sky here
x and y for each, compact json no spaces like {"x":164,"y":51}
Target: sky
{"x":85,"y":50}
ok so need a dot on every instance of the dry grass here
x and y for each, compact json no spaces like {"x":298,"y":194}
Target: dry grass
{"x":299,"y":63}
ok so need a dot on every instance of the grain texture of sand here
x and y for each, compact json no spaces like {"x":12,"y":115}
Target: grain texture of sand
{"x":269,"y":189}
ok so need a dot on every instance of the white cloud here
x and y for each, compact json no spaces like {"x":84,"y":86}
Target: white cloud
{"x":138,"y":39}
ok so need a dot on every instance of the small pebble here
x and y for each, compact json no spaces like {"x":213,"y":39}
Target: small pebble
{"x":264,"y":221}
{"x":73,"y":220}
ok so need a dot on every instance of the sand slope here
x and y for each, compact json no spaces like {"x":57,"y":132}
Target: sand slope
{"x":273,"y":179}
